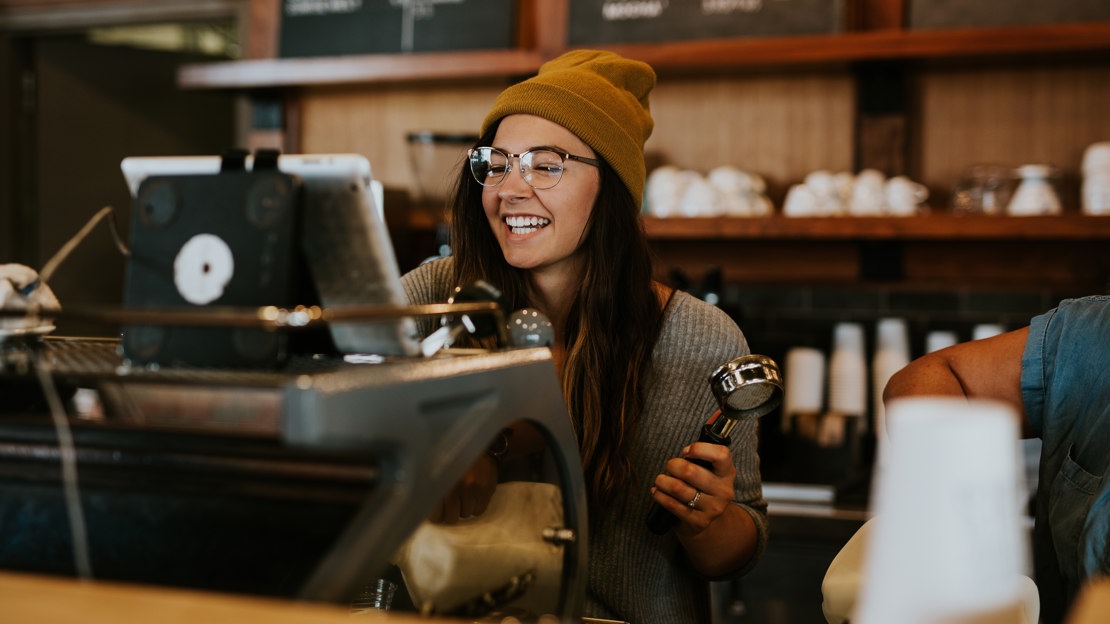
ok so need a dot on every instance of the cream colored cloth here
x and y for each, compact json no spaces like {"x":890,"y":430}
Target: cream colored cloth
{"x":841,"y":585}
{"x":448,"y":565}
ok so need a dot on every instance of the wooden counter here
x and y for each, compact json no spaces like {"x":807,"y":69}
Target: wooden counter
{"x":30,"y":599}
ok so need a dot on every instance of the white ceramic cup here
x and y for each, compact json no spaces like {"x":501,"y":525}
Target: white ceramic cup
{"x":800,"y":202}
{"x":904,"y":197}
{"x":1035,"y":195}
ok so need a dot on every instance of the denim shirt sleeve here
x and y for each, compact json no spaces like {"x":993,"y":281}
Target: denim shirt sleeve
{"x":1066,"y":393}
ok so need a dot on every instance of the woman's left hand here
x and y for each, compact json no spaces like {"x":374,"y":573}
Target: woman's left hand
{"x":695,"y":494}
{"x":718,"y":536}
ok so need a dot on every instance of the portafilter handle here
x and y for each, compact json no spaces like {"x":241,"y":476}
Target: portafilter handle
{"x":747,"y":387}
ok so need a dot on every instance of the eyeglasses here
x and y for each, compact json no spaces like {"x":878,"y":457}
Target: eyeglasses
{"x":541,"y":168}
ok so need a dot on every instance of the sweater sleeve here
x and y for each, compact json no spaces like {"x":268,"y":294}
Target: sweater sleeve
{"x":427,"y":284}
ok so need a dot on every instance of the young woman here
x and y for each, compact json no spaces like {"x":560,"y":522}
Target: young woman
{"x":547,"y":209}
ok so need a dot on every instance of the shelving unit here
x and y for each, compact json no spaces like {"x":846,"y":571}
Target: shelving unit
{"x":934,"y":227}
{"x":1067,"y":251}
{"x":730,"y":54}
{"x":944,"y":227}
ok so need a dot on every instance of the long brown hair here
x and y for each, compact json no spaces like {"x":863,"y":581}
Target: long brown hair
{"x":611,"y":329}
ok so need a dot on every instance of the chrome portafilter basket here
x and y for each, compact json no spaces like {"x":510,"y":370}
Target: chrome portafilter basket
{"x":749,"y":386}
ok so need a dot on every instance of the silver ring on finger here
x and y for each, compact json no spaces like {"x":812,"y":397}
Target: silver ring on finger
{"x":693,"y":504}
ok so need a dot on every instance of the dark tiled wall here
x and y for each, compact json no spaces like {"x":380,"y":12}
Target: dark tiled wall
{"x":776,"y":318}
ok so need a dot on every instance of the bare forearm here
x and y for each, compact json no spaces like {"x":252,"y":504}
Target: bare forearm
{"x":981,"y":369}
{"x":724,"y":546}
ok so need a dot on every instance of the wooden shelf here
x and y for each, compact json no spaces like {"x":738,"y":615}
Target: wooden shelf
{"x":932,"y":227}
{"x":872,"y":45}
{"x":360,"y":69}
{"x":686,"y":55}
{"x":936,"y":227}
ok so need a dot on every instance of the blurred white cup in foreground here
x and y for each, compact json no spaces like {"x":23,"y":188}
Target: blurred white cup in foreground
{"x":948,"y":542}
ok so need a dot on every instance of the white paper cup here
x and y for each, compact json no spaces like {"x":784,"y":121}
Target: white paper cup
{"x":940,"y":339}
{"x":947,"y":543}
{"x":986,"y":330}
{"x":892,"y":353}
{"x":848,"y":371}
{"x":804,"y":377}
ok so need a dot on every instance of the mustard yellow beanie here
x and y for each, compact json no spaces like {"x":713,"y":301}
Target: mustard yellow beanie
{"x":601,"y":97}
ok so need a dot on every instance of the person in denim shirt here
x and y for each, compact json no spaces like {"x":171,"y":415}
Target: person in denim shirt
{"x":1056,"y":372}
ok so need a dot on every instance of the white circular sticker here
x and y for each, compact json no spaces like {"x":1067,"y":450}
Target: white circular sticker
{"x":203,"y":268}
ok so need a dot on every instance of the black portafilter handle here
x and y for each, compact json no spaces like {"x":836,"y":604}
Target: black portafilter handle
{"x":483,"y":325}
{"x":746,"y":387}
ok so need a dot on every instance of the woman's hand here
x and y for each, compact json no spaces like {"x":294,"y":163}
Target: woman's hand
{"x":697,"y":495}
{"x":718,"y":536}
{"x":471,"y":494}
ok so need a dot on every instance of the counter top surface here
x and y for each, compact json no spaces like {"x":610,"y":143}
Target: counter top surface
{"x":49,"y":600}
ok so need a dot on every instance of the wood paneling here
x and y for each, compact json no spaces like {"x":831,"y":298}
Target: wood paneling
{"x":374,"y":122}
{"x":780,"y":126}
{"x":1012,"y":115}
{"x":262,"y":31}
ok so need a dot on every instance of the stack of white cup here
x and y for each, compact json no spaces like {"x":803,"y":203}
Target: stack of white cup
{"x":892,"y":353}
{"x":1096,"y":179}
{"x":940,"y":339}
{"x":805,"y":384}
{"x":986,"y":330}
{"x":848,"y":372}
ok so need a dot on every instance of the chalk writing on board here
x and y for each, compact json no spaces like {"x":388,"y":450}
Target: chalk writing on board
{"x":723,"y":7}
{"x":321,"y":7}
{"x":343,"y":27}
{"x":632,"y":9}
{"x":640,"y":9}
{"x":412,"y":10}
{"x":629,"y":21}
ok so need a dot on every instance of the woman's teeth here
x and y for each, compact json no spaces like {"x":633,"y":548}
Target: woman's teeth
{"x":526,"y":225}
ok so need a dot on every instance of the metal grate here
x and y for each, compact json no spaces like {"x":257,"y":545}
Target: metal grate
{"x":91,"y":359}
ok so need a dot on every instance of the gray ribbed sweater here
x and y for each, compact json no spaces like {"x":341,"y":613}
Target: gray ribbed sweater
{"x":635,"y":575}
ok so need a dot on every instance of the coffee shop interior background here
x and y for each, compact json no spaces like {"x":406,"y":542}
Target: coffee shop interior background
{"x":85,"y":84}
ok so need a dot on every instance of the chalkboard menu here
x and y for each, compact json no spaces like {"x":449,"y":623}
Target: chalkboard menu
{"x":339,"y":27}
{"x":641,"y":21}
{"x":966,"y":13}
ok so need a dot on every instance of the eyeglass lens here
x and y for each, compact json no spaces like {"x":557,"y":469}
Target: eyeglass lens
{"x":541,"y":169}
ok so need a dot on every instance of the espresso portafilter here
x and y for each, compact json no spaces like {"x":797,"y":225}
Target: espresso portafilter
{"x":747,"y":387}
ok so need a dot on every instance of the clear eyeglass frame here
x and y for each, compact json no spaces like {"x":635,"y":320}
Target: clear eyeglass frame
{"x":542,"y":167}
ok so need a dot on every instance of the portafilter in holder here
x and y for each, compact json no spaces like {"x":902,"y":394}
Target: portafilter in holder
{"x":746,"y":387}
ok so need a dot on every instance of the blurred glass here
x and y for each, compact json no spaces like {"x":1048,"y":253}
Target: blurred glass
{"x":983,"y":190}
{"x":435,"y":158}
{"x":375,"y":596}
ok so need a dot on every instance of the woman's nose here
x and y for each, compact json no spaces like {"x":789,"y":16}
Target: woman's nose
{"x":514,"y":184}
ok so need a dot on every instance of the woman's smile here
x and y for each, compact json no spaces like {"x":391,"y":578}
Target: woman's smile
{"x":522,"y":225}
